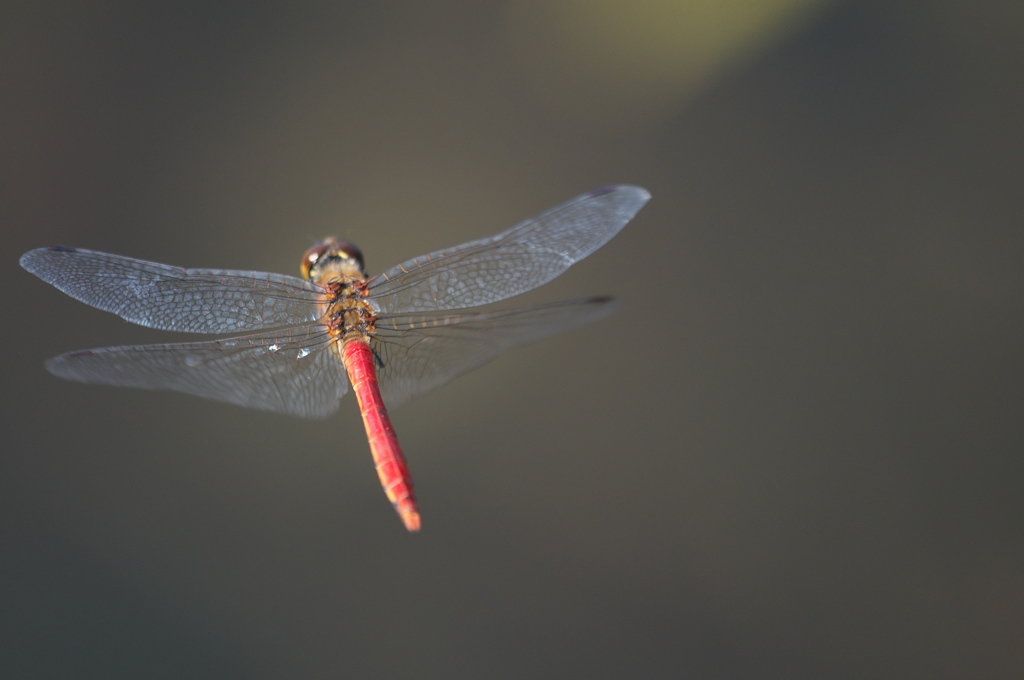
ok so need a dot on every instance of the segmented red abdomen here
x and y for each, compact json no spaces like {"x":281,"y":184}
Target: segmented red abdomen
{"x":387,"y":454}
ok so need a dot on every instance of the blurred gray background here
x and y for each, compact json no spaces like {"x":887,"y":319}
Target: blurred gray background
{"x":796,"y":452}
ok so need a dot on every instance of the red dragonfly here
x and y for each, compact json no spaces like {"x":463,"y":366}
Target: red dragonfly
{"x":392,"y":336}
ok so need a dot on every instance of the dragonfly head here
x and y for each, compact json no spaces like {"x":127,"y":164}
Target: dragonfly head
{"x":342,"y":255}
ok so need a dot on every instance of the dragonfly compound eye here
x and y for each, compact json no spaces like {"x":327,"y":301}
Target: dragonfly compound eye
{"x":327,"y":250}
{"x":312,"y":256}
{"x":346,"y":249}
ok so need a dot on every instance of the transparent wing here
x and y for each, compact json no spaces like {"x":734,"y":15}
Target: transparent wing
{"x":292,"y":371}
{"x":176,"y":299}
{"x":419,"y":352}
{"x":512,"y":262}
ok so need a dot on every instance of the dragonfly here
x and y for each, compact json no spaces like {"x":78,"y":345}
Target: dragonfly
{"x":297,"y":344}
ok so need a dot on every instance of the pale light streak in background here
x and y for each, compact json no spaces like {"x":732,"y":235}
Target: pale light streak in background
{"x":614,"y":62}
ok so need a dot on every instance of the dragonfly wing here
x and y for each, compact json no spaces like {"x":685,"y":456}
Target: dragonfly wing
{"x":293,"y":371}
{"x":512,"y":262}
{"x":176,"y":299}
{"x":419,"y":352}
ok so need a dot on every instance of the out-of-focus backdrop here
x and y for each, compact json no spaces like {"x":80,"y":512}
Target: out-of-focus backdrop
{"x":796,"y":452}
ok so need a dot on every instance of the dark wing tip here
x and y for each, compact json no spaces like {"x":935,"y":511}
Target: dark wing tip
{"x":29,"y":260}
{"x":641,"y":193}
{"x":606,"y":303}
{"x":60,"y":365}
{"x":601,"y":305}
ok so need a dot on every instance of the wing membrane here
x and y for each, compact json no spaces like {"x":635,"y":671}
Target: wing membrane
{"x":516,"y":260}
{"x":176,"y":299}
{"x":422,"y":351}
{"x":292,"y":371}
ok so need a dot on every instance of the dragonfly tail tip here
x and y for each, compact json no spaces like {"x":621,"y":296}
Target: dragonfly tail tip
{"x":411,"y":520}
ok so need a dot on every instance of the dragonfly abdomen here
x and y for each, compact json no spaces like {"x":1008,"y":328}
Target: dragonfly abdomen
{"x":387,"y":453}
